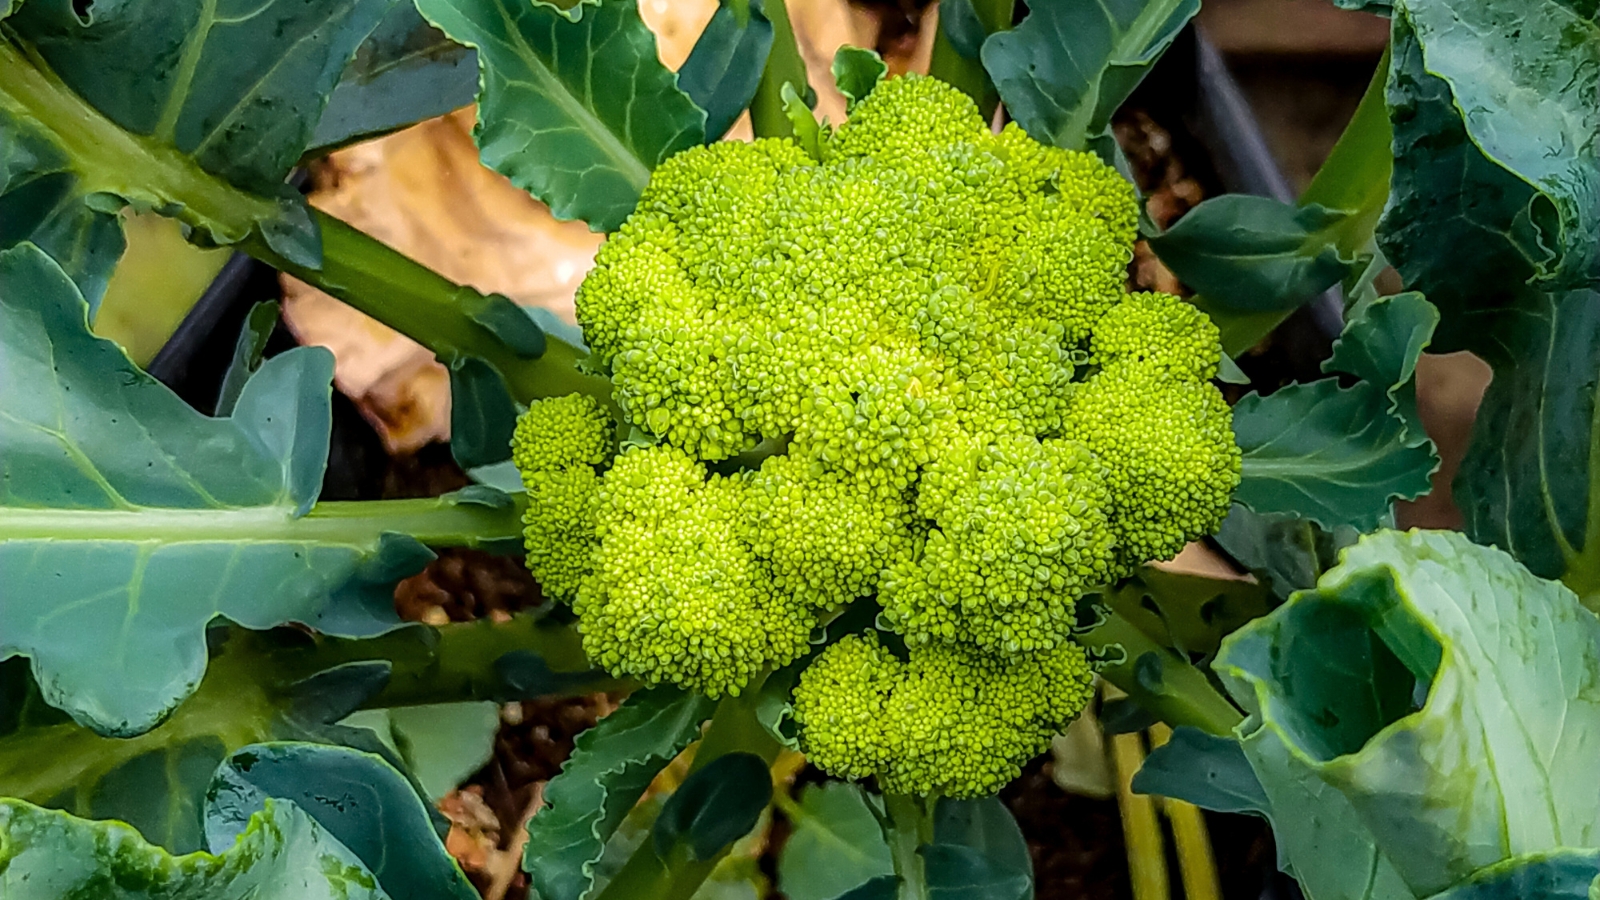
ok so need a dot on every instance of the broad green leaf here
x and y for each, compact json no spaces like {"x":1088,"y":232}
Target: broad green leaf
{"x":1491,"y":100}
{"x":358,"y":798}
{"x":857,"y":72}
{"x":141,"y":520}
{"x":1526,"y":483}
{"x":1071,"y":63}
{"x":610,"y":767}
{"x":1255,"y":254}
{"x":282,"y":854}
{"x":1520,"y":75}
{"x":574,"y":107}
{"x":715,"y":806}
{"x":1440,"y":693}
{"x":724,"y":68}
{"x":1207,"y":770}
{"x":1285,"y":552}
{"x":267,"y":686}
{"x":1330,"y":454}
{"x":181,"y":106}
{"x":1341,"y":455}
{"x":441,"y":744}
{"x":836,"y":846}
{"x":977,"y":853}
{"x":406,"y":71}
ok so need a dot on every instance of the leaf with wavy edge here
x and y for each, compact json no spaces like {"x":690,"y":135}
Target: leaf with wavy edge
{"x":610,"y":767}
{"x":182,"y":106}
{"x":573,"y":106}
{"x":131,"y":521}
{"x":283,"y":854}
{"x":1342,"y":455}
{"x":1525,"y":152}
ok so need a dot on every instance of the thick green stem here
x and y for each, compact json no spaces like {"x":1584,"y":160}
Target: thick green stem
{"x":1161,"y":681}
{"x":910,"y":828}
{"x":452,"y":320}
{"x":645,"y":876}
{"x":435,"y":521}
{"x":783,"y":65}
{"x":249,"y":694}
{"x":968,"y":73}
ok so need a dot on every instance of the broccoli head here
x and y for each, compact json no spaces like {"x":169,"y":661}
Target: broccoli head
{"x":907,"y":372}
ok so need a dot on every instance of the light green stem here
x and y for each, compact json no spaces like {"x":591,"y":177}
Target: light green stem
{"x":1179,"y":693}
{"x":966,"y":73}
{"x":443,"y":316}
{"x":910,"y":828}
{"x":435,"y":521}
{"x":783,"y":65}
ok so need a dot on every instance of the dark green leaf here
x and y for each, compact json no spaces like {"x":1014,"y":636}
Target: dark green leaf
{"x":357,"y":797}
{"x":247,"y":354}
{"x":406,"y":71}
{"x":1287,"y":553}
{"x":283,"y":854}
{"x":977,"y":853}
{"x":1558,"y":875}
{"x":1526,"y":482}
{"x":857,"y":72}
{"x":482,"y":414}
{"x":1381,"y":343}
{"x":1523,"y":150}
{"x":1069,"y":65}
{"x":611,"y":765}
{"x":714,"y":807}
{"x":143,"y":520}
{"x":1417,"y":666}
{"x":575,"y":107}
{"x":1207,"y":770}
{"x":191,"y":110}
{"x":1329,"y":454}
{"x":1255,"y":254}
{"x":722,"y":71}
{"x":807,"y":132}
{"x":837,"y":845}
{"x":1341,"y":455}
{"x":1124,"y":715}
{"x":961,"y":24}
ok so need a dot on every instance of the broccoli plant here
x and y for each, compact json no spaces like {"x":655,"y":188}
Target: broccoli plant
{"x":861,"y":455}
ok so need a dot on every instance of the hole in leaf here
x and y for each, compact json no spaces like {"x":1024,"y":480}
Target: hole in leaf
{"x":83,"y":9}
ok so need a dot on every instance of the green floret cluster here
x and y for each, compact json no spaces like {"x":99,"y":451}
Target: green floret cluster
{"x":950,"y":720}
{"x":907,"y":373}
{"x":557,"y":446}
